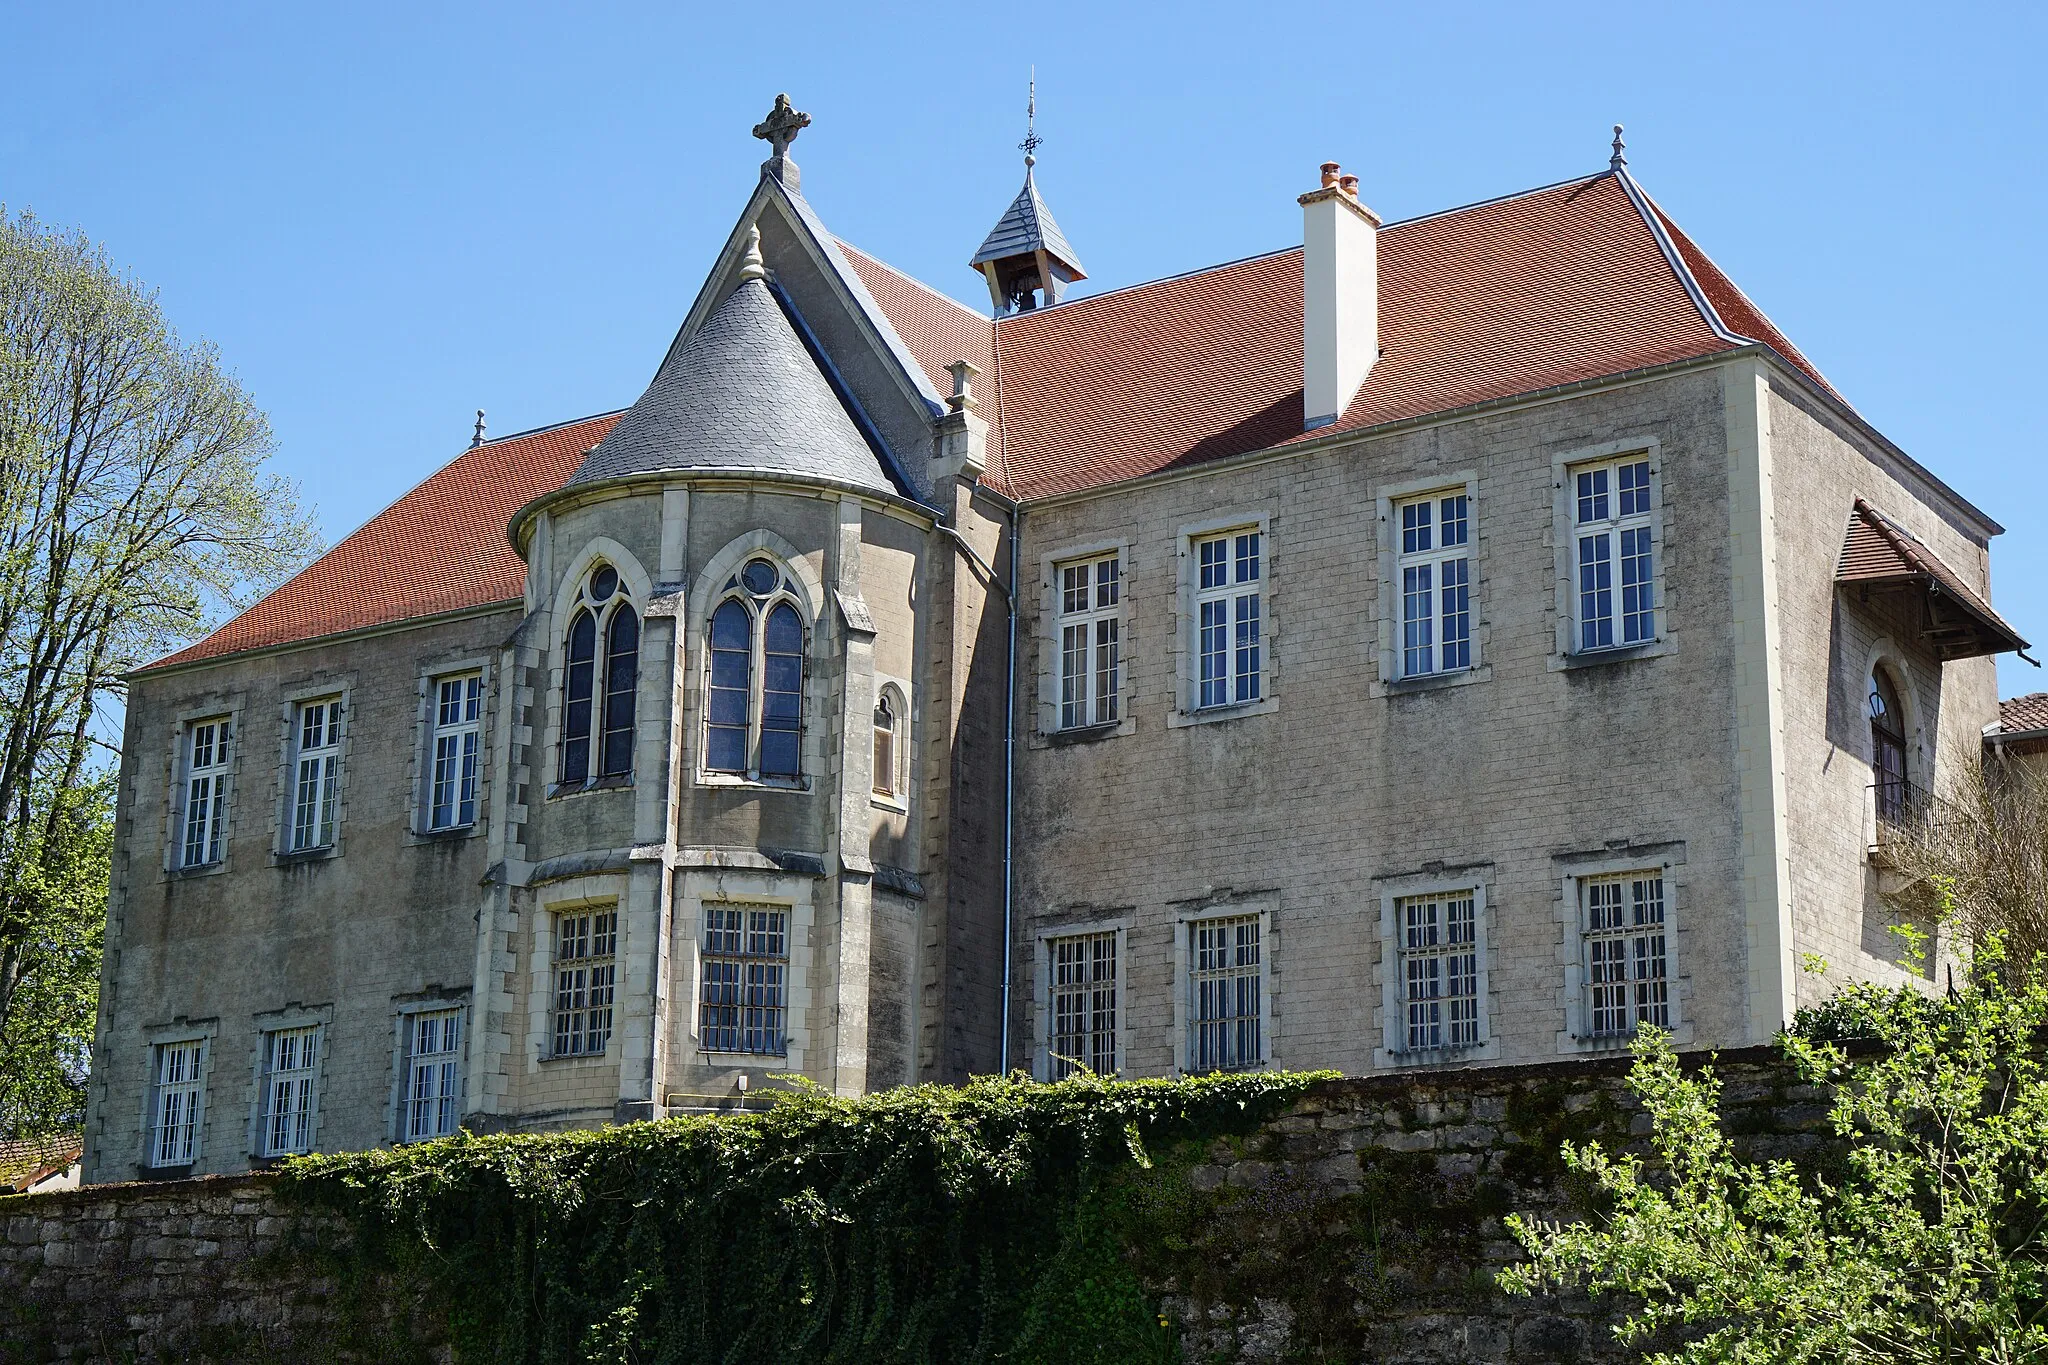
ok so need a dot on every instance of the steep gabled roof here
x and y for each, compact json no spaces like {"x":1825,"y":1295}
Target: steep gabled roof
{"x":1025,"y":227}
{"x":1878,"y":552}
{"x":441,"y":548}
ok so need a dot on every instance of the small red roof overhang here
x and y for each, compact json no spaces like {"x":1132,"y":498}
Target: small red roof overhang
{"x":1959,"y":624}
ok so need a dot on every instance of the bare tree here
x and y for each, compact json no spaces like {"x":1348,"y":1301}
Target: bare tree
{"x":1976,"y":857}
{"x":135,"y":510}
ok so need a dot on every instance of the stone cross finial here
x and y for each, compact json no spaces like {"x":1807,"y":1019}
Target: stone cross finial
{"x":782,"y":125}
{"x":1618,"y":160}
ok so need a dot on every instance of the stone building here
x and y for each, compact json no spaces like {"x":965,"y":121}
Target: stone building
{"x":1443,"y":642}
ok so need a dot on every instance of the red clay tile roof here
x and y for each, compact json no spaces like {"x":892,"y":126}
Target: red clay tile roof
{"x":438,"y":549}
{"x":2017,"y":714}
{"x":24,"y":1161}
{"x":1878,"y":550}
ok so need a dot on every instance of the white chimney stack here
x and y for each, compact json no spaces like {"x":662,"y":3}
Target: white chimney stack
{"x":1340,"y":281}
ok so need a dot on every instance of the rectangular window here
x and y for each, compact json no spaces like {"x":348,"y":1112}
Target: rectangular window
{"x":433,"y":1075}
{"x":1225,"y":990}
{"x":744,"y":1004}
{"x":586,"y":945}
{"x":1434,"y":571}
{"x":458,"y":731}
{"x":290,"y":1057}
{"x":206,"y":792}
{"x":1626,"y":962}
{"x":1615,"y":558}
{"x":1083,"y":1006}
{"x":316,"y":786}
{"x":1089,"y":648}
{"x":1439,"y":952}
{"x":1229,"y":640}
{"x":174,"y":1103}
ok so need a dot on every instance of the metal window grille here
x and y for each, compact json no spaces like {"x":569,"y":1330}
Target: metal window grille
{"x":1626,"y":961}
{"x":433,"y":1074}
{"x":290,"y":1058}
{"x":1226,"y":986}
{"x":1612,"y":510}
{"x":1090,"y":650}
{"x":1439,"y":963}
{"x":317,"y":788}
{"x":458,"y":726}
{"x":1084,"y":1004}
{"x":1436,"y":584}
{"x":586,"y":944}
{"x":744,"y":1002}
{"x":174,"y":1119}
{"x":1229,"y":633}
{"x":206,"y":782}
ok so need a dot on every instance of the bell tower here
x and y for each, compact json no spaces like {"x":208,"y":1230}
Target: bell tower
{"x":1025,"y":257}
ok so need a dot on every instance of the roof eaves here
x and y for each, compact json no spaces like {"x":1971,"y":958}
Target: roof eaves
{"x":393,"y":627}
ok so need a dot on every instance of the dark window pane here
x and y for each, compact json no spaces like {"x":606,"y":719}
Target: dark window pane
{"x":760,"y":577}
{"x":577,"y":683}
{"x":604,"y":583}
{"x":785,"y":631}
{"x":779,"y":753}
{"x":622,"y":667}
{"x":729,"y":627}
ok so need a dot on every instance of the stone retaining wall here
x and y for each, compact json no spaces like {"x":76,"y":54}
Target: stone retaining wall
{"x":1365,"y":1224}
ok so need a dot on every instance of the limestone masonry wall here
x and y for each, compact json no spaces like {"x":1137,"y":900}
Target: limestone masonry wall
{"x":1364,"y":1224}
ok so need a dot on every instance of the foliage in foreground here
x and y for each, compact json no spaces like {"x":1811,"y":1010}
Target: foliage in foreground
{"x":1924,"y":1244}
{"x":928,"y":1224}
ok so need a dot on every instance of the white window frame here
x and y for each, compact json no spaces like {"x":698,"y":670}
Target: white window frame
{"x":288,"y":1089}
{"x":1665,"y":861}
{"x":1396,"y":894}
{"x":1192,"y":600}
{"x":1650,"y":521}
{"x":1054,"y":1061}
{"x":1188,"y":975}
{"x":190,"y":1087}
{"x":463,"y":737}
{"x":1088,"y":636}
{"x":205,"y":789}
{"x":435,"y":1078}
{"x":1422,"y":562}
{"x":760,"y":977}
{"x":583,"y":980}
{"x":320,"y":830}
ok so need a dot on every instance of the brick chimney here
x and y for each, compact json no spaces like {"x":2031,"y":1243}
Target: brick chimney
{"x":1340,"y":280}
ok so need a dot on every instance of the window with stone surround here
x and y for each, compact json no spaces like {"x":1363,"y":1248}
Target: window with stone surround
{"x":455,"y":756}
{"x":1433,"y":583}
{"x":431,"y":1102}
{"x":754,"y":704}
{"x":1226,"y":993}
{"x":743,"y":1002}
{"x":585,"y":972}
{"x":203,"y":840}
{"x":1438,"y":950}
{"x":316,"y":774}
{"x":1229,"y":620}
{"x":175,"y":1099}
{"x":1081,"y":1013}
{"x":890,"y":762}
{"x":600,"y":672}
{"x":291,"y":1063}
{"x":1612,"y":509}
{"x":1627,"y":962}
{"x":1089,"y":625}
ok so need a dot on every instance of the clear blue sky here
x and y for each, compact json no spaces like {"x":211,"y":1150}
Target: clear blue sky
{"x":389,"y":216}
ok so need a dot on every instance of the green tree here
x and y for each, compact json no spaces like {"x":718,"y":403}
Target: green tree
{"x":134,"y":512}
{"x":1923,"y":1244}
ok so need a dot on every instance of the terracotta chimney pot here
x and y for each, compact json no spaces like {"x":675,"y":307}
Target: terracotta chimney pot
{"x":1330,"y":169}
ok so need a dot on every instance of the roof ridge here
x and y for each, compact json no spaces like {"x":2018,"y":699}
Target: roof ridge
{"x":1653,"y":222}
{"x":541,"y":430}
{"x":1496,"y":199}
{"x":1147,"y":284}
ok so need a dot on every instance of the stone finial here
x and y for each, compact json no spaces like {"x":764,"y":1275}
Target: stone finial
{"x":1620,"y":158}
{"x":782,"y":125}
{"x":752,"y":267}
{"x":1330,"y":177}
{"x":477,"y":437}
{"x":964,"y":373}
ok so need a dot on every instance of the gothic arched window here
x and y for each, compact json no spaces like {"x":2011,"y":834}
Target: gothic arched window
{"x":1887,"y":748}
{"x":594,"y":716}
{"x":887,"y":745}
{"x":754,"y":713}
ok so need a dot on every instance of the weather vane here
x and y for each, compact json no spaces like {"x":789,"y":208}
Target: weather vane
{"x":1031,"y":137}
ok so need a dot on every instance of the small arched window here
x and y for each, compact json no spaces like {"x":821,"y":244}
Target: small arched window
{"x":593,"y":717}
{"x":1887,"y":748}
{"x":754,"y":712}
{"x":885,"y":746}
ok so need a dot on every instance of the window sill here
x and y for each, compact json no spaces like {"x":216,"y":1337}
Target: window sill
{"x":889,"y":803}
{"x":179,"y":874}
{"x":547,"y":1057}
{"x":291,"y":857}
{"x":1432,"y":682}
{"x":453,"y":834}
{"x":767,"y":1060}
{"x":1209,"y":715}
{"x":1618,"y":654}
{"x":772,"y":784}
{"x":595,"y":784}
{"x":145,"y":1171}
{"x":1082,"y":734}
{"x":1463,"y":1054}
